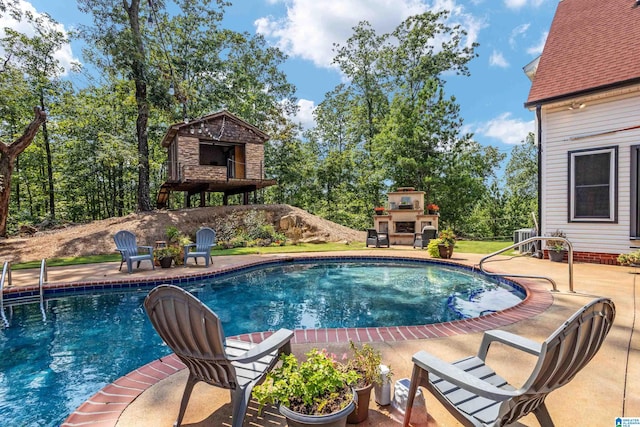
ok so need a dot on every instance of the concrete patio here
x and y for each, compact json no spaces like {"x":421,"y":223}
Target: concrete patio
{"x":608,"y":387}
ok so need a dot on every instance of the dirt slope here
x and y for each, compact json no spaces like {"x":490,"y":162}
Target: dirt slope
{"x":97,"y":237}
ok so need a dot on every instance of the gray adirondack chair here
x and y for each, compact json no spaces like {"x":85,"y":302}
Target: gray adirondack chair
{"x":377,"y":239}
{"x":195,"y":334}
{"x":477,"y":396}
{"x":205,"y":240}
{"x":130,"y":251}
{"x":422,"y":239}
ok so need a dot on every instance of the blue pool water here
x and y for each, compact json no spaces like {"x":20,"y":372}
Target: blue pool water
{"x":49,"y":367}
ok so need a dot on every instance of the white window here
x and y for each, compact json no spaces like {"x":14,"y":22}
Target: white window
{"x":592,"y":186}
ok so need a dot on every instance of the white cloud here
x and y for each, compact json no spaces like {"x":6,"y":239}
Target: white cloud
{"x":517,"y":32}
{"x":311,"y":28}
{"x":497,"y":59}
{"x":517,"y":4}
{"x":64,"y":54}
{"x":506,"y":129}
{"x":304,"y":116}
{"x":537,"y":49}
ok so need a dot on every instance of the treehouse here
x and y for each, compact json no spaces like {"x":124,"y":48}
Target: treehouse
{"x":216,"y":153}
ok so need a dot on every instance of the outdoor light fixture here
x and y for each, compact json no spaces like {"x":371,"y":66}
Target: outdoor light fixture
{"x":172,"y":91}
{"x":577,"y":105}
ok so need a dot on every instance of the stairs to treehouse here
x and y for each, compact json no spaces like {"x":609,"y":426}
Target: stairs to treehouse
{"x":163,"y":196}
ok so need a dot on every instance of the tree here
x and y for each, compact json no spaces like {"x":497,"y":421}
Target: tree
{"x":118,"y":33}
{"x":421,"y":136}
{"x":359,"y":60}
{"x":521,"y":186}
{"x":8,"y":154}
{"x":34,"y":56}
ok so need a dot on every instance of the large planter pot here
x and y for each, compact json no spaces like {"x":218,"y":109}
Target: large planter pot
{"x":556,"y":256}
{"x":361,"y":412}
{"x":335,"y":419}
{"x":166,"y":262}
{"x":445,"y":251}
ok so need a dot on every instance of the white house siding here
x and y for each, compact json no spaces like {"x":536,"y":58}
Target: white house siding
{"x":603,"y":113}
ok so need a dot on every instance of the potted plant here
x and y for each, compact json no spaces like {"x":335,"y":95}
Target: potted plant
{"x":556,"y":248}
{"x":317,"y":391}
{"x":379,"y":210}
{"x":366,"y":362}
{"x":433,"y":209}
{"x":165,"y":256}
{"x":632,"y":259}
{"x":177,"y":241}
{"x":442,"y":247}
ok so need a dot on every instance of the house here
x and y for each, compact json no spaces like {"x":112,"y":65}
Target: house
{"x":586,"y":96}
{"x":216,"y":153}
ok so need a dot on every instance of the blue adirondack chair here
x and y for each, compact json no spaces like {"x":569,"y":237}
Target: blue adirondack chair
{"x":130,"y":251}
{"x":205,"y":240}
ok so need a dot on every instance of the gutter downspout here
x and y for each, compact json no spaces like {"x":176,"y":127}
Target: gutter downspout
{"x":539,"y":134}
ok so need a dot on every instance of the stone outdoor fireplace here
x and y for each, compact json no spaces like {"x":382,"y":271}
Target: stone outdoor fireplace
{"x":405,"y":216}
{"x":405,"y":226}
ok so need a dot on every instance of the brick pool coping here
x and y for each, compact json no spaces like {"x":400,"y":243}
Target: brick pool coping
{"x":105,"y":407}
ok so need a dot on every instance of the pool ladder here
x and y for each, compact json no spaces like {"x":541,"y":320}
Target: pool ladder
{"x":530,"y":240}
{"x":6,"y":278}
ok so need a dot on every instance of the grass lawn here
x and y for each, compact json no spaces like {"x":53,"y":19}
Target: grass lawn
{"x":462,"y":246}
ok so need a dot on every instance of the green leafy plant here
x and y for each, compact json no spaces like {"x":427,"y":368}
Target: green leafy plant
{"x":432,"y":247}
{"x":167,"y":252}
{"x":366,"y":362}
{"x":448,"y":237}
{"x":557,"y":245}
{"x":173,"y":234}
{"x":319,"y":385}
{"x":632,"y":258}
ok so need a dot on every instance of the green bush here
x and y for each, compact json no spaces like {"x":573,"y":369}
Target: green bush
{"x":432,"y":248}
{"x":632,"y":258}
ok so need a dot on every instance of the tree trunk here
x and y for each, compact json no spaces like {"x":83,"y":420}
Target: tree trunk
{"x":47,"y":146}
{"x":8,"y":154}
{"x":139,"y":77}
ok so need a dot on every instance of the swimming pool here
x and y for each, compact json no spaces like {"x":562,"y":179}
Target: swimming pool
{"x":86,"y":342}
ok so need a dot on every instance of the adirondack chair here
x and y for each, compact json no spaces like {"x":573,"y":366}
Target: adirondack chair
{"x":195,"y":334}
{"x":421,"y":240}
{"x":130,"y":251}
{"x":377,"y":239}
{"x":477,"y":396}
{"x":205,"y":240}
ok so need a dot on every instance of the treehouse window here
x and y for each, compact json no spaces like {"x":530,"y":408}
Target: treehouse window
{"x":212,"y":155}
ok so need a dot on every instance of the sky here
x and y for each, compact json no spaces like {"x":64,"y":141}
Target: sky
{"x":510,"y":33}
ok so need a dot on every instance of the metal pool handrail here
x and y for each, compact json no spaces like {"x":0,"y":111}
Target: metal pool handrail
{"x":6,"y":273}
{"x":42,"y":281}
{"x":529,"y":240}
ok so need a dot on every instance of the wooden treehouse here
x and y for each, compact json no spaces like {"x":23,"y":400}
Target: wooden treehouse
{"x":216,"y":153}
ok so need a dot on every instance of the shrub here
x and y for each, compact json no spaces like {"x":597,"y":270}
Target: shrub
{"x":432,"y":248}
{"x":632,"y":258}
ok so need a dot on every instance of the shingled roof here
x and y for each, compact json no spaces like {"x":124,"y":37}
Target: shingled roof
{"x":592,"y":45}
